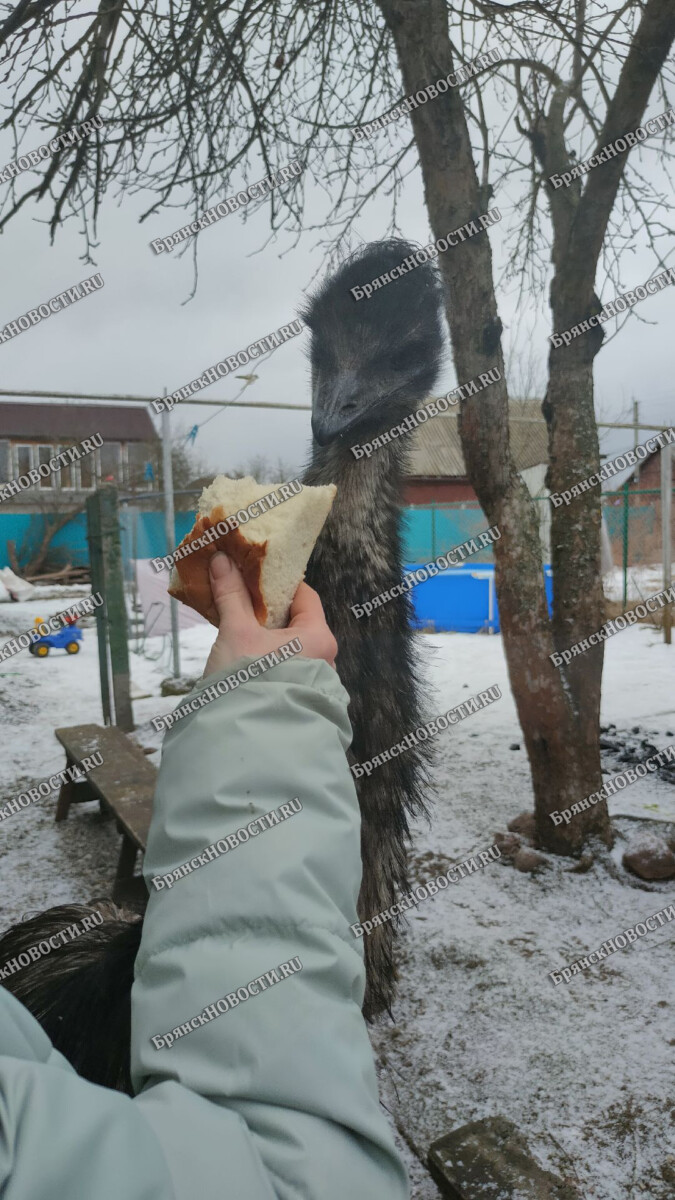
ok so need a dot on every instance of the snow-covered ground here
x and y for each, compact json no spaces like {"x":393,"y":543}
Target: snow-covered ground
{"x":642,"y":582}
{"x":584,"y":1070}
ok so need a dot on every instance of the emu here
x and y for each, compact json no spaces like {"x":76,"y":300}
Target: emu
{"x":372,"y":363}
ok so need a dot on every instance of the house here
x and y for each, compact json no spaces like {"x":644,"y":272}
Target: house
{"x":437,"y":479}
{"x":633,"y":510}
{"x":437,"y":472}
{"x":42,"y":496}
{"x":646,"y":476}
{"x":125,"y":449}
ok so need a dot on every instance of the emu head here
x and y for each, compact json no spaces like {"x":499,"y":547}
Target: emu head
{"x":373,"y":361}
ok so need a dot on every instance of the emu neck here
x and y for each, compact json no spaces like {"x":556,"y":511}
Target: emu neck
{"x":360,"y":545}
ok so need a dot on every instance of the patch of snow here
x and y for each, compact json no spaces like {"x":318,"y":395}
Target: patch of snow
{"x":584,"y":1070}
{"x":642,"y":582}
{"x":15,"y":587}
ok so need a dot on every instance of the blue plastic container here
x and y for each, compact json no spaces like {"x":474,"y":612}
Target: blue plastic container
{"x":462,"y":599}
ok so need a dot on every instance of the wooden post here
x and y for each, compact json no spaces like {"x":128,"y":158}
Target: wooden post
{"x":98,"y":587}
{"x":115,"y":607}
{"x":666,"y":533}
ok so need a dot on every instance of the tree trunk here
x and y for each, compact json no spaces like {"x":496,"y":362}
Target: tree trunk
{"x":561,"y":737}
{"x":579,"y":228}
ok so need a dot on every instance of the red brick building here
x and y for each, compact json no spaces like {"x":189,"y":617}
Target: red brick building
{"x":648,"y":474}
{"x":634,"y":521}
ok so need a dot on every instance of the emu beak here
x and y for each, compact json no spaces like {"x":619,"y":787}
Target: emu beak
{"x":335,"y":407}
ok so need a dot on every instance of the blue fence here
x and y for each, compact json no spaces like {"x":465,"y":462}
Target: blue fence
{"x":427,"y":532}
{"x":461,"y":599}
{"x":435,"y":528}
{"x":69,"y":545}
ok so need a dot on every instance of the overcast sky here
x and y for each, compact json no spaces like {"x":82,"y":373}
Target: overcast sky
{"x":136,"y":335}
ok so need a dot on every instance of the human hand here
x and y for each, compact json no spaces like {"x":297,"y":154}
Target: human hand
{"x":239,"y":632}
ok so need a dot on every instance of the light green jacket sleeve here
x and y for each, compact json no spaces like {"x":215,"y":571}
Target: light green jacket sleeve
{"x":276,"y":1096}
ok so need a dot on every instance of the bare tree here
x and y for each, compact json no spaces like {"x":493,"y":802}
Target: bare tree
{"x":187,"y":465}
{"x":571,"y":105}
{"x":263,"y":470}
{"x":191,"y":98}
{"x":36,"y":552}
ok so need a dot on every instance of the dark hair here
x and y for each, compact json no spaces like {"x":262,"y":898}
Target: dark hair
{"x":81,"y":991}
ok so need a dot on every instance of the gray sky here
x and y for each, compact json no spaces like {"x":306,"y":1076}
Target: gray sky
{"x":136,"y":335}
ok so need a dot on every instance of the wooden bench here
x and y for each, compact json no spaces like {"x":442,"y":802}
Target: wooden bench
{"x":124,"y":785}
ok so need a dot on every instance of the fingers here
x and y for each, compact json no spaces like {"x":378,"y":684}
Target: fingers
{"x":306,"y":606}
{"x":238,"y":628}
{"x":231,"y":597}
{"x":308,"y":618}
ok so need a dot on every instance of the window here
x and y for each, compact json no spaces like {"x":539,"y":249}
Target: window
{"x":87,"y":467}
{"x":44,"y":455}
{"x":67,"y":473}
{"x":23,"y":459}
{"x":141,"y":473}
{"x":110,"y":460}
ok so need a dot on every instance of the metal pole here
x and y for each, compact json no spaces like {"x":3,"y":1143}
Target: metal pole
{"x":170,"y":529}
{"x":212,"y":403}
{"x":625,"y":544}
{"x":13,"y":393}
{"x":666,"y":532}
{"x":636,"y":434}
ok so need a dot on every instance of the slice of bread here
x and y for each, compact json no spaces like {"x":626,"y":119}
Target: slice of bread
{"x":271,"y":550}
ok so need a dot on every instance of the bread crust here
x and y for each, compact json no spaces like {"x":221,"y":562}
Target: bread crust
{"x":194,"y":586}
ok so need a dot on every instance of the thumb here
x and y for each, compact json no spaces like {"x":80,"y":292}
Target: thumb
{"x":231,"y":597}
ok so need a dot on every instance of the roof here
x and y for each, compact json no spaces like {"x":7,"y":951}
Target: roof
{"x":114,"y":422}
{"x":633,"y":475}
{"x":437,"y":450}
